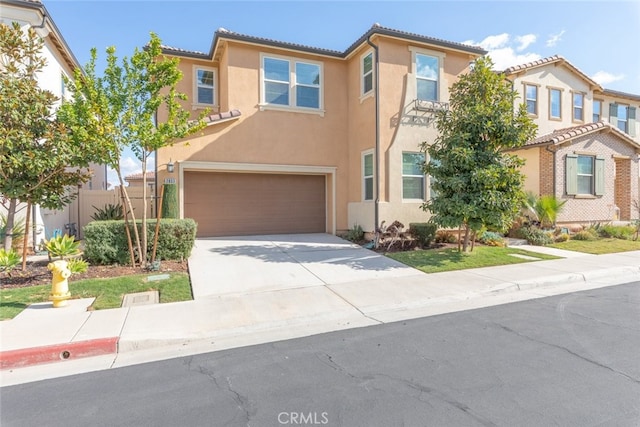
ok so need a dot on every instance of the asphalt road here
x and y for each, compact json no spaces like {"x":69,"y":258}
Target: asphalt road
{"x":569,"y":360}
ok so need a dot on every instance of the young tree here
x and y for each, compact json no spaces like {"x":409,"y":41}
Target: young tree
{"x":119,"y":110}
{"x":38,"y":161}
{"x":476,"y":183}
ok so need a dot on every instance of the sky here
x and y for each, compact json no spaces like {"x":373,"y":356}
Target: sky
{"x":598,"y":37}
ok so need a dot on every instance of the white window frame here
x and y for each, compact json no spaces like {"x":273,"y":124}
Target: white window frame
{"x":551,"y":116}
{"x":626,"y":118}
{"x":591,"y":176}
{"x":441,"y":85}
{"x":574,"y":96}
{"x":536,"y":100}
{"x":365,"y":177}
{"x":593,"y":111}
{"x":264,"y":105}
{"x":196,"y":85}
{"x":363,"y":75}
{"x":422,"y":176}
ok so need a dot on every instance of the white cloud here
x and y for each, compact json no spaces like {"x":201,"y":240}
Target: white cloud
{"x":491,"y":42}
{"x":604,"y":78}
{"x":555,"y":38}
{"x":525,"y":41}
{"x":507,"y":57}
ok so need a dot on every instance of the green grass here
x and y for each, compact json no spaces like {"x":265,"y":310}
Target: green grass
{"x":599,"y":246}
{"x":437,"y":260}
{"x":108,"y":292}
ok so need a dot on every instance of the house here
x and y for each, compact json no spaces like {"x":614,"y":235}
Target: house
{"x":135,"y":180}
{"x":306,"y":139}
{"x":60,"y":62}
{"x":588,"y":143}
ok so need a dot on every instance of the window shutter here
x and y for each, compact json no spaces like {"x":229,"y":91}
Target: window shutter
{"x":632,"y":121}
{"x":613,"y":115}
{"x":571,"y":174}
{"x":599,"y":176}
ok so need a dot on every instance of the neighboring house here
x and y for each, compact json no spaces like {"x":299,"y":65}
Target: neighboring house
{"x":305,"y":139}
{"x":588,"y":144}
{"x":135,"y":180}
{"x":60,"y":62}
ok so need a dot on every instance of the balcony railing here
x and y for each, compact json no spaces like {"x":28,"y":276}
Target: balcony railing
{"x":422,"y":105}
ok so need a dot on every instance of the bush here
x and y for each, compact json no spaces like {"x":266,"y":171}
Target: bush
{"x":63,"y":247}
{"x":424,"y":232}
{"x":562,"y":237}
{"x":108,"y":213}
{"x":491,"y":238}
{"x":106,"y":241}
{"x":8,"y":260}
{"x":355,"y":234}
{"x":444,"y":236}
{"x":624,"y":232}
{"x":18,"y":231}
{"x":535,"y":236}
{"x":584,"y":235}
{"x":170,"y":202}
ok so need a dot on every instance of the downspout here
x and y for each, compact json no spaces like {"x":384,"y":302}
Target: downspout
{"x":376,"y":214}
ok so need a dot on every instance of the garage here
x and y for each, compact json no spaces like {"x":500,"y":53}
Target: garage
{"x":234,"y":204}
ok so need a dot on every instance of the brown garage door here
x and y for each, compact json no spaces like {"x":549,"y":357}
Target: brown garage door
{"x":228,"y":204}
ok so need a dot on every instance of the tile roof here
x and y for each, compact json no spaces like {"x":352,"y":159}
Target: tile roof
{"x":223,"y":33}
{"x":560,"y":136}
{"x":223,"y":116}
{"x":619,"y":94}
{"x":138,"y":176}
{"x":551,"y":60}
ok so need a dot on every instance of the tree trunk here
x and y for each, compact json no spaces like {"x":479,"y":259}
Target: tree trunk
{"x":126,"y":228}
{"x":25,"y":242}
{"x":8,"y":230}
{"x":143,"y":254}
{"x":130,"y":207}
{"x":465,"y":244}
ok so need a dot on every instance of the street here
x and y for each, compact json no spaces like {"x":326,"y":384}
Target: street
{"x":567,"y":360}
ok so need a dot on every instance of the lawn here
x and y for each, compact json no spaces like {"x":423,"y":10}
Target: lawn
{"x":449,"y":259}
{"x":599,"y":246}
{"x":108,"y":292}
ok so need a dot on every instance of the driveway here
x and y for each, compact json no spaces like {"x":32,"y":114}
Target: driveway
{"x":252,"y":264}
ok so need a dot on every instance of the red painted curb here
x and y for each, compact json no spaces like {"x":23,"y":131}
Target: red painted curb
{"x":57,"y":353}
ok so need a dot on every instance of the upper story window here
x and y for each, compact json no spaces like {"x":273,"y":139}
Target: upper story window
{"x":291,"y":83}
{"x":597,"y":110}
{"x":367,"y":176}
{"x":623,"y":117}
{"x":578,"y":106}
{"x":204,"y":87}
{"x":366,"y":69}
{"x":555,"y":104}
{"x":531,"y":98}
{"x":412,"y":176}
{"x":427,"y":73}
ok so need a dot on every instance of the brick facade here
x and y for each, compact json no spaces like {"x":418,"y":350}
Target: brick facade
{"x":623,"y":188}
{"x":546,"y":172}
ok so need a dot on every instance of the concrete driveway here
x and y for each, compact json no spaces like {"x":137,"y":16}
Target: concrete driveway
{"x":251,"y":264}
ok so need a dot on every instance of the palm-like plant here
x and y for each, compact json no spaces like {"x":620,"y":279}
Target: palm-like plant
{"x":547,"y":209}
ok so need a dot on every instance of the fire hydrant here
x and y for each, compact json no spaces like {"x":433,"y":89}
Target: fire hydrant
{"x":59,"y":284}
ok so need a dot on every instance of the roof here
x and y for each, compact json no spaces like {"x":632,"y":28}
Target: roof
{"x":618,"y":94}
{"x":555,"y":59}
{"x":224,"y":34}
{"x":56,"y":38}
{"x":222,"y":117}
{"x":138,"y":176}
{"x":561,"y":136}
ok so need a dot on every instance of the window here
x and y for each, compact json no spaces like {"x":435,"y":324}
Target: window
{"x":367,"y":176}
{"x":291,"y":83}
{"x":578,"y":106}
{"x":204,"y":88}
{"x":623,"y":117}
{"x":531,"y":98}
{"x":597,"y":111}
{"x":433,"y":193}
{"x":584,"y":175}
{"x":555,"y":104}
{"x":412,"y":176}
{"x":427,"y":69}
{"x":367,"y":73}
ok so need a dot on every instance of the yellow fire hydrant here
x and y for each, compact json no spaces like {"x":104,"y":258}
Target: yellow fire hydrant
{"x":59,"y":284}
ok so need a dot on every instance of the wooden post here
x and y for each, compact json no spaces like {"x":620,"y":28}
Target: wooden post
{"x":26,"y":238}
{"x":158,"y":215}
{"x":126,"y":227}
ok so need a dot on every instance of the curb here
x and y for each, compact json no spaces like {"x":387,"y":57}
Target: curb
{"x":21,"y":358}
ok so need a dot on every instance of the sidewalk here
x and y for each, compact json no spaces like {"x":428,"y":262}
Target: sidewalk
{"x":41,"y":334}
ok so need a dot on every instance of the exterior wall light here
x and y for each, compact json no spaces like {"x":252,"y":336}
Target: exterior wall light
{"x":170,"y":166}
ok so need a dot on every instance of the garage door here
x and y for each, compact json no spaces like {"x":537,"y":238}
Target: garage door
{"x":229,"y":204}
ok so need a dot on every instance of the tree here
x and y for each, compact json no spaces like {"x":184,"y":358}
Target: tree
{"x":475,"y":182}
{"x":38,"y":160}
{"x":119,"y":110}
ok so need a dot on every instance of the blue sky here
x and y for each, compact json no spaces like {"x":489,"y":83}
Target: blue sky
{"x":598,"y":37}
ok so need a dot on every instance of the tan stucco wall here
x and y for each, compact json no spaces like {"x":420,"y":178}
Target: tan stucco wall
{"x":531,"y":168}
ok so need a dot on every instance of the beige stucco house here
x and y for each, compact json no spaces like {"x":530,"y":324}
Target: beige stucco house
{"x":588,"y":143}
{"x":305,"y":139}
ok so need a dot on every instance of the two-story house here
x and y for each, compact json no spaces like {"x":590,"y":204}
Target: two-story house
{"x":60,"y":62}
{"x":305,"y":139}
{"x":586,"y":152}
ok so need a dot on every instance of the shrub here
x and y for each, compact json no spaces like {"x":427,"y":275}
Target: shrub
{"x":108,"y":213}
{"x":535,"y":236}
{"x":106,"y":241}
{"x":624,"y":232}
{"x":170,"y":202}
{"x":18,"y":231}
{"x":491,"y":238}
{"x":424,"y":232}
{"x":355,"y":234}
{"x":445,"y":236}
{"x":77,"y":265}
{"x":8,"y":260}
{"x":562,"y":237}
{"x":584,"y":235}
{"x":63,"y":246}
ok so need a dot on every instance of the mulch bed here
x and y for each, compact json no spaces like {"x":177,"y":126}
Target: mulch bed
{"x":38,"y":274}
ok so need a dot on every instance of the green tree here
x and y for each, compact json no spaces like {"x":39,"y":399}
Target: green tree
{"x":38,"y":160}
{"x":475,"y":182}
{"x":119,"y":110}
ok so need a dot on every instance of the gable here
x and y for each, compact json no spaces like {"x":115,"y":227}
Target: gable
{"x":554,"y":71}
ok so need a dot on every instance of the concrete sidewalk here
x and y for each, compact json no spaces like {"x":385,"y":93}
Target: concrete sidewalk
{"x":135,"y":334}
